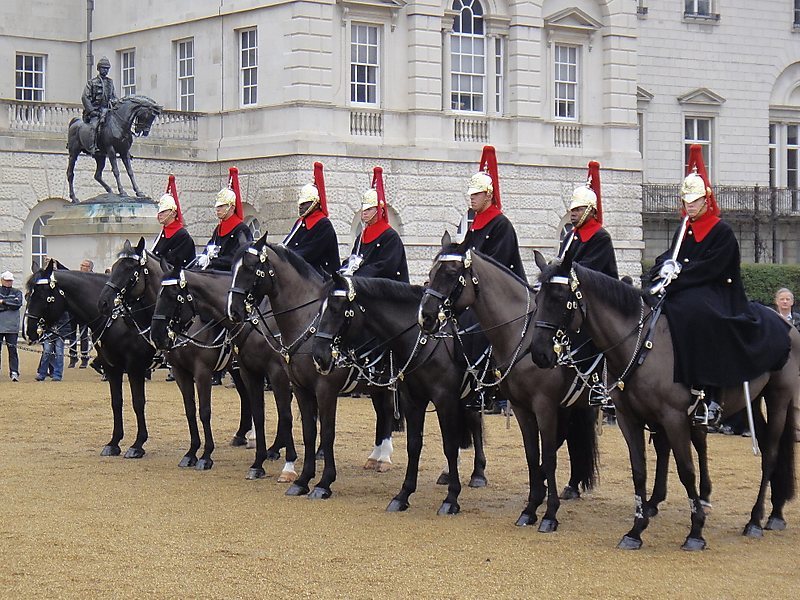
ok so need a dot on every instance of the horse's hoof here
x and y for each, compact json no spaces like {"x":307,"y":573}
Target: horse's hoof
{"x":297,"y":490}
{"x":238,"y":441}
{"x":371,"y":464}
{"x":320,"y":455}
{"x":141,"y":195}
{"x":110,"y":451}
{"x":477,"y":481}
{"x":692,"y":544}
{"x":775,"y":524}
{"x":444,"y":479}
{"x":650,"y":510}
{"x":753,"y":530}
{"x":320,"y":493}
{"x":570,"y":493}
{"x":449,"y":508}
{"x":629,"y":543}
{"x":383,"y":466}
{"x":188,"y":461}
{"x":287,"y":477}
{"x":548,"y":525}
{"x":256,"y":473}
{"x":525,"y":519}
{"x":273,"y":454}
{"x":134,"y":452}
{"x":397,"y":506}
{"x":204,"y":464}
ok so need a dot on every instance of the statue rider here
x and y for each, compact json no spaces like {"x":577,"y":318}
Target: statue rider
{"x":97,"y":98}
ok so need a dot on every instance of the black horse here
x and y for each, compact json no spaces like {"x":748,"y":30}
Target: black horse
{"x":131,"y":294}
{"x":615,"y":314}
{"x":296,"y":292}
{"x":430,"y":368}
{"x":189,"y":302}
{"x":503,"y":305}
{"x":49,"y":293}
{"x":131,"y":117}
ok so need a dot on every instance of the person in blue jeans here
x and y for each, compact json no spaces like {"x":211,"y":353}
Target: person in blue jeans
{"x":52,"y":361}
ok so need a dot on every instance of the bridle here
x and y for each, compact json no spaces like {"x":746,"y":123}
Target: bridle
{"x":574,"y":302}
{"x":260,"y":273}
{"x":447,"y":301}
{"x":183,"y":297}
{"x":336,"y":338}
{"x":121,"y":306}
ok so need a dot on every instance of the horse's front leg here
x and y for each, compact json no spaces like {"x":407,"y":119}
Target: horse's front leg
{"x":245,"y":413}
{"x":282,"y":390}
{"x":73,"y":158}
{"x":112,"y":158}
{"x":633,"y":431}
{"x":452,"y":427}
{"x":548,"y":428}
{"x":254,"y":394}
{"x":185,"y":381}
{"x":530,"y":440}
{"x":381,"y":457}
{"x":472,"y":420}
{"x":114,"y":376}
{"x":415,"y":422}
{"x":307,"y":403}
{"x":326,"y":401}
{"x":203,"y":381}
{"x":136,"y":383}
{"x":126,"y":160}
{"x":100,"y":164}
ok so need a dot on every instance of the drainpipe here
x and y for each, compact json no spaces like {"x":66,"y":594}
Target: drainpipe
{"x":89,"y":55}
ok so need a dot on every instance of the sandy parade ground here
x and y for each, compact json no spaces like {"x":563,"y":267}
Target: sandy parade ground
{"x":76,"y":525}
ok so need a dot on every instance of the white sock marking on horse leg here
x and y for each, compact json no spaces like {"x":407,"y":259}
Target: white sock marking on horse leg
{"x":288,"y":467}
{"x":385,"y":451}
{"x":376,"y":452}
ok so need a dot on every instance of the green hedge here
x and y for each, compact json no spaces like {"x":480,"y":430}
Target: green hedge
{"x":761,"y":281}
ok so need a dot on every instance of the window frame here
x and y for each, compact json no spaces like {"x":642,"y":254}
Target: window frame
{"x":708,"y":156}
{"x":180,"y":96}
{"x":456,"y":75}
{"x":554,"y":81}
{"x":796,"y":13}
{"x":693,"y":11}
{"x":247,"y":71}
{"x":20,"y":90}
{"x":355,"y":44}
{"x":127,"y":72}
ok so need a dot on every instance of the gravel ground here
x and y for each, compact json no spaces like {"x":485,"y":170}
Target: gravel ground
{"x":76,"y":525}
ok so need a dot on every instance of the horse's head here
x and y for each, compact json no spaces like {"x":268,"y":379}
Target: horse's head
{"x":340,"y":314}
{"x":174,"y":310}
{"x":128,"y":280}
{"x":143,"y":112}
{"x":556,"y":309}
{"x":450,"y":286}
{"x":253,"y":278}
{"x":45,"y":301}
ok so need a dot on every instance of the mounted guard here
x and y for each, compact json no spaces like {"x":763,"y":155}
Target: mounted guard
{"x":720,"y":339}
{"x":173,"y":244}
{"x":378,"y":250}
{"x":98,"y":97}
{"x":313,"y":236}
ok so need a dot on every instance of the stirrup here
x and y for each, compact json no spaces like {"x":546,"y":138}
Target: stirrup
{"x":599,"y":398}
{"x":701,"y":415}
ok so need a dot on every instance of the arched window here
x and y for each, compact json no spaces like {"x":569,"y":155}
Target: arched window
{"x":38,"y":240}
{"x":255,"y":227}
{"x":468,"y":57}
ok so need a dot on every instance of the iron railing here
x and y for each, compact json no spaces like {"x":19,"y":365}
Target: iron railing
{"x":743,"y":200}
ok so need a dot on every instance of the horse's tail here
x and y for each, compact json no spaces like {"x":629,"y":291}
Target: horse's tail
{"x":584,"y":455}
{"x":783,"y":480}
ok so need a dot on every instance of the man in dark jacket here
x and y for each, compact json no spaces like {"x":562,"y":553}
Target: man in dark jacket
{"x":313,"y":236}
{"x":173,"y":244}
{"x":10,"y":303}
{"x":97,"y":98}
{"x":231,"y":233}
{"x":378,"y":250}
{"x":719,"y":338}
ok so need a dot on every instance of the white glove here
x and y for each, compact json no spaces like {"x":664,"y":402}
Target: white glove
{"x":212,"y":250}
{"x":203,"y":260}
{"x":669,"y":270}
{"x":352,"y":265}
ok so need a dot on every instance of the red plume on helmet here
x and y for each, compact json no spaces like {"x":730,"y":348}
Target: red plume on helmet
{"x":377,"y":184}
{"x":234,"y":185}
{"x":172,"y":190}
{"x":319,"y":181}
{"x":489,"y":164}
{"x":594,"y":184}
{"x":696,"y":162}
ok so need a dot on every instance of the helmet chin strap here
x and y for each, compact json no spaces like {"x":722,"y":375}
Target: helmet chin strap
{"x":586,"y":212}
{"x":312,"y":208}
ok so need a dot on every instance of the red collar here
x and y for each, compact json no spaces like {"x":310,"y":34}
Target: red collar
{"x":172,"y":228}
{"x":588,"y":229}
{"x":228,"y":224}
{"x":371,"y":232}
{"x":703,"y":225}
{"x":314,"y":218}
{"x":486,"y":217}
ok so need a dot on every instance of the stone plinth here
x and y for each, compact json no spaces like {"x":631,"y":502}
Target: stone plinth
{"x":97,"y":228}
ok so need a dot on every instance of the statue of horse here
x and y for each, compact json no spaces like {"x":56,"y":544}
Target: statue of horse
{"x":131,"y":117}
{"x":431,"y":369}
{"x":616,"y":316}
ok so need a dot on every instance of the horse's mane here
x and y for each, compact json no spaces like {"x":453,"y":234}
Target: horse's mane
{"x":379,"y":288}
{"x":621,"y":296}
{"x":97,"y":277}
{"x":300,"y":264}
{"x":141,"y":100}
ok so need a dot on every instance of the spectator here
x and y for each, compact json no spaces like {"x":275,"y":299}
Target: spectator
{"x":10,"y":303}
{"x":52,"y":361}
{"x":784,"y":303}
{"x":79,"y":331}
